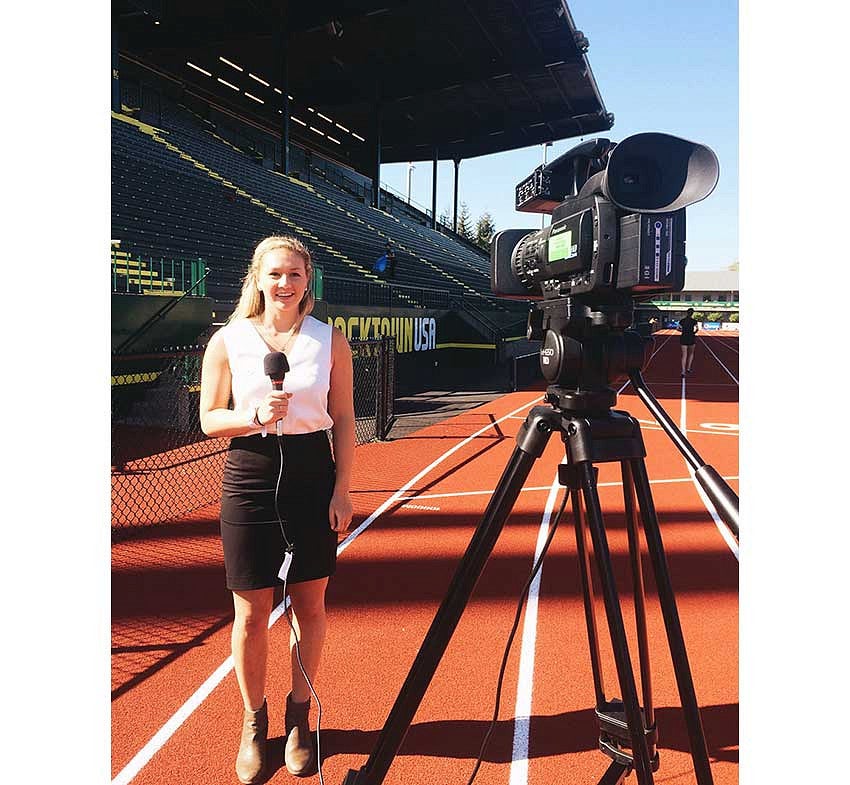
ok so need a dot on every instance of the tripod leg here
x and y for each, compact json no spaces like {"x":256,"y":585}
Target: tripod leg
{"x":639,"y":595}
{"x":613,"y":611}
{"x":530,"y":445}
{"x":676,"y":640}
{"x":615,"y":774}
{"x":588,"y":595}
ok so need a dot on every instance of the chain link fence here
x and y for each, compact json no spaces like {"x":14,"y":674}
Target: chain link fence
{"x":164,"y":467}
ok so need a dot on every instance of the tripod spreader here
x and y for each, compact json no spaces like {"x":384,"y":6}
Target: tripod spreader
{"x":722,"y":496}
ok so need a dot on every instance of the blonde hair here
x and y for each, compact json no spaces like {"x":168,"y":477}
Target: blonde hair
{"x":251,"y":301}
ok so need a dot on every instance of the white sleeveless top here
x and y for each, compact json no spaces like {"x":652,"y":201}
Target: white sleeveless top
{"x":308,"y":378}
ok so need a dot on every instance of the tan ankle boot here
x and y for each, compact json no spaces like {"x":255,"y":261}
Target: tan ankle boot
{"x":251,"y":760}
{"x":299,"y":755}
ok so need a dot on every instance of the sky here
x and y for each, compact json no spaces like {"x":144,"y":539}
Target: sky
{"x":660,"y":66}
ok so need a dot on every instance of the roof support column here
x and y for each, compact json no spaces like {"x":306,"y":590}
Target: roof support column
{"x":116,"y":84}
{"x":434,"y":190}
{"x":282,"y":39}
{"x":454,"y":220}
{"x":376,"y":175}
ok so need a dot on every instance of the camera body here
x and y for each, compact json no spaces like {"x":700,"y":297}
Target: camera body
{"x":618,"y":221}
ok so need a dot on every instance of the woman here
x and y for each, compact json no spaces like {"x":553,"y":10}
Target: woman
{"x":305,"y":502}
{"x":688,"y":327}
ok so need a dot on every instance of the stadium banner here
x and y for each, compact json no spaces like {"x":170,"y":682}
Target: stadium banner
{"x":415,"y":329}
{"x":710,"y":325}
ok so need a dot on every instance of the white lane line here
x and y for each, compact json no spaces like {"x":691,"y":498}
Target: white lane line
{"x":141,"y":758}
{"x":646,"y":426}
{"x":705,"y":343}
{"x":522,"y":710}
{"x":401,"y":491}
{"x":658,"y":349}
{"x":144,"y":755}
{"x":718,"y":522}
{"x":467,"y":493}
{"x":525,"y":681}
{"x":661,"y":346}
{"x":728,"y":344}
{"x":659,"y":383}
{"x":616,"y":484}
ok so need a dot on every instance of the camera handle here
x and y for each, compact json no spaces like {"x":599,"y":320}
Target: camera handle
{"x":627,"y":731}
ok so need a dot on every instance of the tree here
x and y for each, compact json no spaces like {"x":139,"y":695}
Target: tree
{"x":446,"y":218}
{"x":464,"y":223}
{"x":484,"y":230}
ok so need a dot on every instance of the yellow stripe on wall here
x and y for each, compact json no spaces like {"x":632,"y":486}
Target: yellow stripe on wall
{"x":466,"y":346}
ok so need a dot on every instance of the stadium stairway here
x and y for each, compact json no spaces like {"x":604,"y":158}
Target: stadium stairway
{"x":166,"y":202}
{"x":458,"y":267}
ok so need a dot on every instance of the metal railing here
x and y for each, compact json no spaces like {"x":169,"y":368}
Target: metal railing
{"x":525,"y":371}
{"x":162,"y":313}
{"x":164,"y":467}
{"x":688,"y":303}
{"x":146,"y":275}
{"x":354,"y":292}
{"x":388,"y":190}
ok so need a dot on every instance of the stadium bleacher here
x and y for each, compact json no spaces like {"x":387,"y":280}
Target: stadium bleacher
{"x":181,"y":190}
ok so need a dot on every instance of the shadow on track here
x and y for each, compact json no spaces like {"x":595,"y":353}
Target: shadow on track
{"x":556,"y":734}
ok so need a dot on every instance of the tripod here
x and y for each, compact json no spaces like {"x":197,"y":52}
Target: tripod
{"x":592,"y":432}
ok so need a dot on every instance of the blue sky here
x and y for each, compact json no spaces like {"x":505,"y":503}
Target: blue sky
{"x":660,"y":66}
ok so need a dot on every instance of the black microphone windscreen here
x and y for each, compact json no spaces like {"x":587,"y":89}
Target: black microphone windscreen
{"x":275,"y":365}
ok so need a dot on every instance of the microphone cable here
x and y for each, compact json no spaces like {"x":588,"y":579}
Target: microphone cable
{"x":522,"y":600}
{"x":284,"y":574}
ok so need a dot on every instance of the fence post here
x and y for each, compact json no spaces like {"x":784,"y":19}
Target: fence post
{"x":385,"y":390}
{"x":380,"y":391}
{"x":390,"y":396}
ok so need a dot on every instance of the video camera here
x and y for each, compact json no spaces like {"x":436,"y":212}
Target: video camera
{"x":618,"y":220}
{"x":617,"y":234}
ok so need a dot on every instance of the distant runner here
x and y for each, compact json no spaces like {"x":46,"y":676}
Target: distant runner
{"x":688,"y":339}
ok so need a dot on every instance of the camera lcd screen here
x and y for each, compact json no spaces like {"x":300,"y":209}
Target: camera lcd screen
{"x":561,"y":246}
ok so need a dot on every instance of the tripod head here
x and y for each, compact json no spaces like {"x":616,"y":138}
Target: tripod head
{"x":586,"y":348}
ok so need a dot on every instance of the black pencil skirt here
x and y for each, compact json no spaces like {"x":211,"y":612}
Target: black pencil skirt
{"x":251,"y":531}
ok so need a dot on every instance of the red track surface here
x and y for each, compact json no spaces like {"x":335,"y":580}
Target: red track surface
{"x":171,"y":612}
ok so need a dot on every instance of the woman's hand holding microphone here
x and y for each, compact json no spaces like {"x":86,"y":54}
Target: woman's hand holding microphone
{"x":272,"y":408}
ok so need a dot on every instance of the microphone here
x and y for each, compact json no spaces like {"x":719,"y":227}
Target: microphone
{"x":275,"y":366}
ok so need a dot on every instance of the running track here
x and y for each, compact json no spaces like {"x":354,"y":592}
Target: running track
{"x":176,"y":708}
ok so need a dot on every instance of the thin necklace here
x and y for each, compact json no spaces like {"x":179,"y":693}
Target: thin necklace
{"x":290,"y":334}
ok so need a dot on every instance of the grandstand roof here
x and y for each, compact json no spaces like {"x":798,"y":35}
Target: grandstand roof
{"x":471,"y":76}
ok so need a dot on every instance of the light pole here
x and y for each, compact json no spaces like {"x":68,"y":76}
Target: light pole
{"x":410,"y":168}
{"x":543,"y":216}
